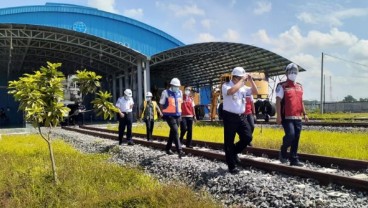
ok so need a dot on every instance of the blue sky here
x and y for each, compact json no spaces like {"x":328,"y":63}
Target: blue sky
{"x":297,"y":30}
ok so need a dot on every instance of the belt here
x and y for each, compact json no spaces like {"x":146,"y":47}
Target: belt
{"x":235,"y":114}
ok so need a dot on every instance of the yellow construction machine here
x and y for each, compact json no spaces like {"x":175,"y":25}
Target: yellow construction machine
{"x":263,"y":107}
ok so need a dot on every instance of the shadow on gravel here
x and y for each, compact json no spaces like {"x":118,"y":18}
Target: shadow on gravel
{"x":149,"y":161}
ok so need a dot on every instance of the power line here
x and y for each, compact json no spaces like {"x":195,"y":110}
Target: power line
{"x":349,"y":61}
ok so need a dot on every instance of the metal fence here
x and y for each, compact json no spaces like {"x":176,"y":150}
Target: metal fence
{"x":353,"y":107}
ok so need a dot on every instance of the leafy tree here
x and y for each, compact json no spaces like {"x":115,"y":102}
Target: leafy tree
{"x":363,"y":99}
{"x":41,"y":94}
{"x":88,"y":81}
{"x":349,"y":98}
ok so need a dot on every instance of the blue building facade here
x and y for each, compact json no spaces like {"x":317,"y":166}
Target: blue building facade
{"x":123,"y":30}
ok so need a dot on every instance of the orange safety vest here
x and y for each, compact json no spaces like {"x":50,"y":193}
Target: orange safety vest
{"x":172,"y":106}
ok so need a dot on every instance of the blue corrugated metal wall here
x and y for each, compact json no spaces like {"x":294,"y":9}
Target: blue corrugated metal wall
{"x":128,"y":32}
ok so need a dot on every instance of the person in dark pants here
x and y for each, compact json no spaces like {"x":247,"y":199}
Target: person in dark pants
{"x":149,"y":110}
{"x":250,"y":113}
{"x":170,"y":102}
{"x":290,"y":109}
{"x":187,"y":117}
{"x":125,"y":105}
{"x":234,"y":93}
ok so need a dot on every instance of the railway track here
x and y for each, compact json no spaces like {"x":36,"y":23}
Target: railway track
{"x":260,"y":163}
{"x":310,"y":123}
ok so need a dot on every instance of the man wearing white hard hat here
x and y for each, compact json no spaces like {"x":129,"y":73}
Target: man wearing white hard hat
{"x":125,"y":105}
{"x":170,"y":102}
{"x":290,"y":111}
{"x":234,"y":95}
{"x":149,"y":111}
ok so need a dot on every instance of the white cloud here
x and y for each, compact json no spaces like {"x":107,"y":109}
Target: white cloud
{"x":181,"y":10}
{"x":206,"y":37}
{"x":262,"y":7}
{"x":360,"y":50}
{"x":333,"y":18}
{"x":206,"y":23}
{"x":105,"y":5}
{"x":134,"y":13}
{"x":231,"y":35}
{"x":189,"y":24}
{"x":262,"y":36}
{"x":292,"y":41}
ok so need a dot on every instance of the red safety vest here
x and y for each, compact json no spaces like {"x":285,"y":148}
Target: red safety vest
{"x":187,"y":106}
{"x":248,"y":106}
{"x":292,"y":102}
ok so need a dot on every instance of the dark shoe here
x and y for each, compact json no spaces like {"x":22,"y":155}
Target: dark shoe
{"x":191,"y":147}
{"x":130,"y":142}
{"x":282,"y":159}
{"x":296,"y":163}
{"x":120,"y":142}
{"x":237,"y":159}
{"x":181,"y":155}
{"x":169,"y":152}
{"x":234,"y":171}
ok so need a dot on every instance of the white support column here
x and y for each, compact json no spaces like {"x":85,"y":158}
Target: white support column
{"x":114,"y":98}
{"x":120,"y":86}
{"x":147,"y":77}
{"x":126,"y":80}
{"x":139,"y":82}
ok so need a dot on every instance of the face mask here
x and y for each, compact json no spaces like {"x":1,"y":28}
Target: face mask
{"x":148,"y":98}
{"x":187,"y":92}
{"x":292,"y":77}
{"x":175,"y":89}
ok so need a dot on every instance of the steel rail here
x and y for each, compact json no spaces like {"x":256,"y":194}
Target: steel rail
{"x":323,"y":178}
{"x":310,"y":123}
{"x":325,"y":161}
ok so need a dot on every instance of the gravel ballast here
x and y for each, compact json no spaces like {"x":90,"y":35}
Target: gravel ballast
{"x":250,"y":188}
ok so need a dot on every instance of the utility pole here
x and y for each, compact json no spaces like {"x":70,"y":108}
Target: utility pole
{"x":321,"y":104}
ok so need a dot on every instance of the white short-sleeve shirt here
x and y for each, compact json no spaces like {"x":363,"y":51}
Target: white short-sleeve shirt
{"x":279,"y":91}
{"x":235,"y":103}
{"x":124,"y":104}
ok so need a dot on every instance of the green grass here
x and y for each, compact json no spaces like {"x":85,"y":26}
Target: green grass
{"x":353,"y":145}
{"x":337,"y":116}
{"x":85,"y":180}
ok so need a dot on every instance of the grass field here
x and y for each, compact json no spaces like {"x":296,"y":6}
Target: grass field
{"x":85,"y":180}
{"x":352,"y":145}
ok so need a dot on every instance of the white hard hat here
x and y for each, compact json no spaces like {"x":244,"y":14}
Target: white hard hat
{"x":175,"y":82}
{"x":148,"y":94}
{"x":291,"y":66}
{"x":238,"y":71}
{"x":128,"y":92}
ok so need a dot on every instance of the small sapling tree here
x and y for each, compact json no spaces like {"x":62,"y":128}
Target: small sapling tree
{"x":40,"y":96}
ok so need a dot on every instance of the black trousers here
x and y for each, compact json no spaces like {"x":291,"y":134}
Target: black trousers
{"x":235,"y":124}
{"x":173,"y":123}
{"x":125,"y":122}
{"x":250,"y":119}
{"x":292,"y":129}
{"x":186,"y":126}
{"x":150,"y":123}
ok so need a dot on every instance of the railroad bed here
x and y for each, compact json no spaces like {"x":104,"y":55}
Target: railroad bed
{"x":252,"y":186}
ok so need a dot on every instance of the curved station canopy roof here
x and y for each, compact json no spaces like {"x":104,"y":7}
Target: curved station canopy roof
{"x":27,"y":47}
{"x":204,"y":63}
